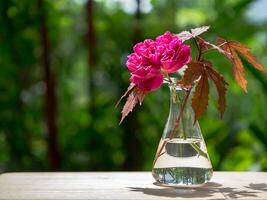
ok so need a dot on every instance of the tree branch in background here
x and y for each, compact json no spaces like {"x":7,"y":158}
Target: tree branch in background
{"x":90,"y":38}
{"x":133,"y":160}
{"x":50,"y":97}
{"x":91,"y":60}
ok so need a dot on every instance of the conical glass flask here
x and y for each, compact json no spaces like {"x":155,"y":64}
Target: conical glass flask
{"x":182,"y":158}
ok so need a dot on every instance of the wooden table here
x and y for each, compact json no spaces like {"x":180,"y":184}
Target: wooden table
{"x":127,"y":185}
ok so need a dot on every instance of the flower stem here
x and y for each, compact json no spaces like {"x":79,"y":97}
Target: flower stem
{"x":168,"y":77}
{"x":199,"y":49}
{"x":213,"y":48}
{"x":184,"y":133}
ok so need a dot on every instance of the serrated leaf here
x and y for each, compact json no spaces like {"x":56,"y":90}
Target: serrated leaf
{"x":191,"y":74}
{"x":198,"y":31}
{"x":130,"y":87}
{"x":224,"y":49}
{"x":186,"y":35}
{"x":221,"y":87}
{"x":245,"y":51}
{"x":134,"y":97}
{"x":239,"y":71}
{"x":141,"y":94}
{"x":238,"y":68}
{"x":131,"y":102}
{"x":201,"y":97}
{"x":204,"y":69}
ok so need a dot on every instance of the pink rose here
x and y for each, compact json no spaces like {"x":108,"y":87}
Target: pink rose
{"x":134,"y":61}
{"x":148,"y":78}
{"x":149,"y":51}
{"x":175,"y":54}
{"x":144,"y":65}
{"x":151,"y":58}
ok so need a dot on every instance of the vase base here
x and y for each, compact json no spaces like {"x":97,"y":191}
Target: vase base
{"x":182,"y":176}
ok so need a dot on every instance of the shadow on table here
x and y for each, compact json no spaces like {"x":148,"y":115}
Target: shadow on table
{"x":257,"y":186}
{"x":209,"y":190}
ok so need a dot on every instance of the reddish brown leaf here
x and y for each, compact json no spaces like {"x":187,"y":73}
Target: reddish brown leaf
{"x":233,"y":47}
{"x":201,"y":97}
{"x":130,"y":87}
{"x":186,"y":35}
{"x":245,"y":51}
{"x":131,"y":102}
{"x":239,"y":71}
{"x":204,"y":70}
{"x":221,"y":85}
{"x":141,"y":94}
{"x":134,"y":97}
{"x":191,"y":74}
{"x":238,"y":68}
{"x":225,"y":49}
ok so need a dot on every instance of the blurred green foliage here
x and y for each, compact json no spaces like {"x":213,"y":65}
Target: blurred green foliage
{"x":95,"y":141}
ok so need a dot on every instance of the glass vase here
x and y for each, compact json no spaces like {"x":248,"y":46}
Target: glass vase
{"x":181,"y":158}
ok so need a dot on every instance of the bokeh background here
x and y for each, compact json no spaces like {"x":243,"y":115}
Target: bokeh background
{"x":62,"y":69}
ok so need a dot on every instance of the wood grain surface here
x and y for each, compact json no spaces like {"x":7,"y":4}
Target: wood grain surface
{"x":127,"y":185}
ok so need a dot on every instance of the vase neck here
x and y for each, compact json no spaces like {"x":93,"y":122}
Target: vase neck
{"x":177,"y":97}
{"x":177,"y":104}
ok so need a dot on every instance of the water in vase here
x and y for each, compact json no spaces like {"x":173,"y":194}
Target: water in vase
{"x":182,"y":162}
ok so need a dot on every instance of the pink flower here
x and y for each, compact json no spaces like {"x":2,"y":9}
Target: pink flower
{"x":134,"y":62}
{"x":148,"y":78}
{"x":144,"y":65}
{"x":175,"y":54}
{"x":151,"y":59}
